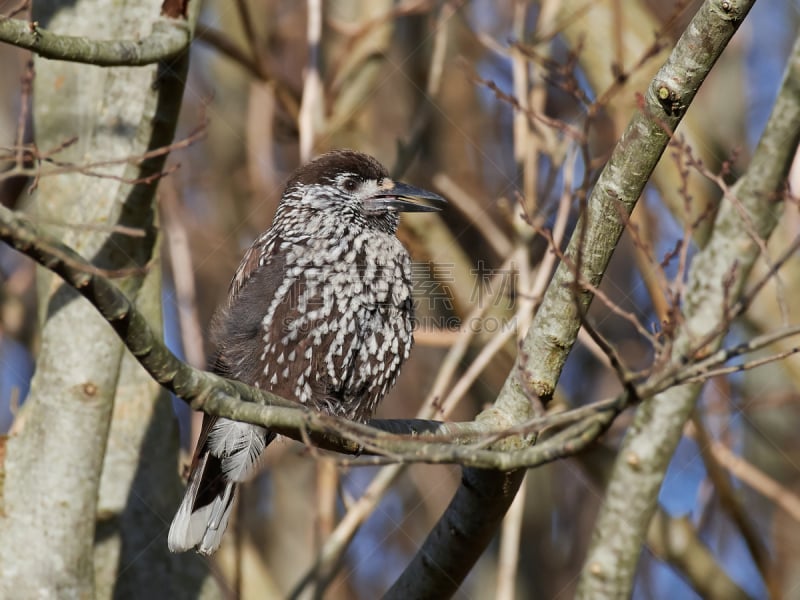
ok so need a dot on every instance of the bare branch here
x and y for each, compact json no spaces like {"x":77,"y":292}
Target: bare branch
{"x":232,"y":399}
{"x":436,"y":570}
{"x":169,"y":38}
{"x":657,"y":429}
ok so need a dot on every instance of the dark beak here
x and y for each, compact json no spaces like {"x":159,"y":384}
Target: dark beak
{"x":395,"y":196}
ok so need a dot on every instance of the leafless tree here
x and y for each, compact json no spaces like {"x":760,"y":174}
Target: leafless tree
{"x":615,"y":265}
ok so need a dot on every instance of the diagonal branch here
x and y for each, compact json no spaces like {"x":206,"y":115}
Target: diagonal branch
{"x":434,"y":571}
{"x":711,"y":293}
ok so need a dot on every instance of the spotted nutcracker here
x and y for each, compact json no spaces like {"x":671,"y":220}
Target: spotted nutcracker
{"x":319,"y":311}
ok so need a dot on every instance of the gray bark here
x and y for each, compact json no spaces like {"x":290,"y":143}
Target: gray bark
{"x":556,"y":324}
{"x":716,"y":280}
{"x":52,"y":492}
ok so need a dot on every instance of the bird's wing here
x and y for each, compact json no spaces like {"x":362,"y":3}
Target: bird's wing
{"x":250,"y":262}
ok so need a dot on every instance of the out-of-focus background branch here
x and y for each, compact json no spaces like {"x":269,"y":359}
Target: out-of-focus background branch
{"x":510,"y":110}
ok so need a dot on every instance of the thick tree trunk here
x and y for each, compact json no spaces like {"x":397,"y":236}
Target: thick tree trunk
{"x":55,"y":484}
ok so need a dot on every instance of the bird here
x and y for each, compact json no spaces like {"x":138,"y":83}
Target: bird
{"x":319,"y":311}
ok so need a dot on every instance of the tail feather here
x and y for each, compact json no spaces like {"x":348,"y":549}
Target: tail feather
{"x":227,"y":453}
{"x":193,"y":522}
{"x":217,"y":520}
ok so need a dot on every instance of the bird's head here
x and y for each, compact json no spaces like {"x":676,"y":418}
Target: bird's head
{"x":353,"y":187}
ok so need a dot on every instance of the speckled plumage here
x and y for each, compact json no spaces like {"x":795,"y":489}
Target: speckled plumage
{"x":319,"y":311}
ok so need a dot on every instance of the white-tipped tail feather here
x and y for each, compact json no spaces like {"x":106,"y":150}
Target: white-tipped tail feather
{"x":227,"y":456}
{"x":187,"y":528}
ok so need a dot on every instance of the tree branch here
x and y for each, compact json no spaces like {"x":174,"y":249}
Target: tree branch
{"x":74,"y":519}
{"x":414,"y":440}
{"x":168,"y":38}
{"x":716,"y":280}
{"x":555,"y":326}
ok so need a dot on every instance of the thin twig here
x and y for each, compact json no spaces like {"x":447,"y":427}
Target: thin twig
{"x":749,"y":224}
{"x":581,"y":281}
{"x":760,"y":362}
{"x":32,"y":153}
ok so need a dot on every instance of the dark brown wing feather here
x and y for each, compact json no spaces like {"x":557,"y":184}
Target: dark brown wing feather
{"x":232,"y":339}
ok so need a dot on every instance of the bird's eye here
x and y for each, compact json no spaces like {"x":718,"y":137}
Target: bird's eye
{"x":349,"y":184}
